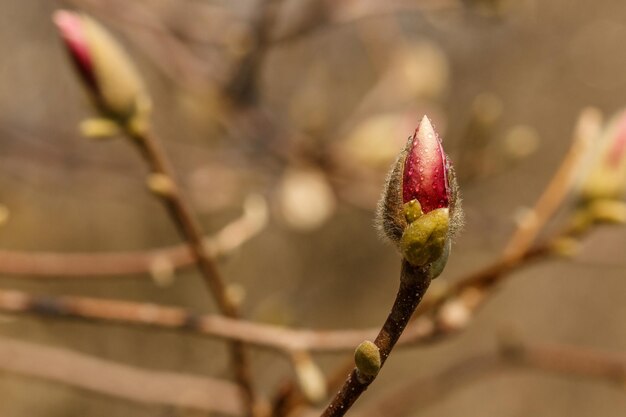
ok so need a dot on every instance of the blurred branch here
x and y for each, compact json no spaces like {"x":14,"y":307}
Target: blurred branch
{"x":559,"y":186}
{"x":91,"y":265}
{"x":174,"y":318}
{"x":242,"y":86}
{"x":164,"y":185}
{"x":177,"y":59}
{"x":186,"y":391}
{"x":278,"y":338}
{"x":554,"y":359}
{"x":352,"y":11}
{"x":118,"y":380}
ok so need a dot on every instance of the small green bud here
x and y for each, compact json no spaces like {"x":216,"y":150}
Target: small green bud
{"x":608,"y":211}
{"x":412,"y":211}
{"x":161,"y":185}
{"x":566,"y":247}
{"x":367,"y":358}
{"x":99,"y":128}
{"x":424,"y":240}
{"x":605,"y":177}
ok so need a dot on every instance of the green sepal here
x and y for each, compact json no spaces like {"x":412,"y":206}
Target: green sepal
{"x":424,"y":240}
{"x":412,"y":211}
{"x":437,"y":267}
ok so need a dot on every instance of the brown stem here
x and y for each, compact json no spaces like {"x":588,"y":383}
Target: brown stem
{"x":413,"y":285}
{"x":189,"y":228}
{"x":86,"y":265}
{"x":131,"y":313}
{"x":558,"y":188}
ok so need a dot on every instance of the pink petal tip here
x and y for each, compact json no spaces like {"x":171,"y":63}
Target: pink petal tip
{"x":426,"y":170}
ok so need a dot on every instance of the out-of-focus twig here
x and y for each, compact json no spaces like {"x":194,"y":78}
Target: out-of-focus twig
{"x":162,"y":181}
{"x":554,"y":359}
{"x":118,"y":380}
{"x":93,"y":265}
{"x":174,"y":318}
{"x":348,"y":12}
{"x":558,"y":188}
{"x":242,"y":86}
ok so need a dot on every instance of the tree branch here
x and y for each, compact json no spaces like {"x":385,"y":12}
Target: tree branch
{"x":182,"y":215}
{"x":413,"y":285}
{"x":96,"y":265}
{"x":118,"y":380}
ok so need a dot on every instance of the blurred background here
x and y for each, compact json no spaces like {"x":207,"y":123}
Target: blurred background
{"x":305,"y":104}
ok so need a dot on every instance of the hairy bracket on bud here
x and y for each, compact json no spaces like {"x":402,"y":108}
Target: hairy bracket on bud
{"x":419,"y":211}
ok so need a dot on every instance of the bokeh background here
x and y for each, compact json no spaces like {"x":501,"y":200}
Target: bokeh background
{"x":338,"y":87}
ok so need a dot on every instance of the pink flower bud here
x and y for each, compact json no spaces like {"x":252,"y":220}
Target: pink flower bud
{"x":107,"y":71}
{"x":420,"y":188}
{"x":605,"y":177}
{"x":425,"y":176}
{"x":72,"y":31}
{"x":617,"y":149}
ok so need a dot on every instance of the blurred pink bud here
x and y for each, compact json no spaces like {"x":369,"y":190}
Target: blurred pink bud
{"x":107,"y":71}
{"x":606,"y":176}
{"x":72,"y":31}
{"x":425,"y":176}
{"x":617,"y":149}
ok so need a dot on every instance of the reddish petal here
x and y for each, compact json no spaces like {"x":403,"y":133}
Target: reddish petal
{"x":617,"y":149}
{"x":425,"y":170}
{"x":71,"y":28}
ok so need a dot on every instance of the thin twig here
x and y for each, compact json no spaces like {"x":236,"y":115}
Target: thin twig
{"x":242,"y":87}
{"x":336,"y":14}
{"x":174,"y":318}
{"x":96,"y":265}
{"x":558,"y":188}
{"x":180,"y":211}
{"x":118,"y":380}
{"x":413,"y":285}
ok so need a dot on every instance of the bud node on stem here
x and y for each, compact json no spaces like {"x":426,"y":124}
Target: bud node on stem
{"x":367,"y":358}
{"x":424,"y":240}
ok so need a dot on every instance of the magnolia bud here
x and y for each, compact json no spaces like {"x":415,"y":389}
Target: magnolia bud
{"x":106,"y":70}
{"x":606,"y":177}
{"x":419,"y":209}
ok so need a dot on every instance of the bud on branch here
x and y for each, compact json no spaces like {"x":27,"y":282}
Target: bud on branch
{"x":606,"y":177}
{"x":419,"y":211}
{"x":108,"y":73}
